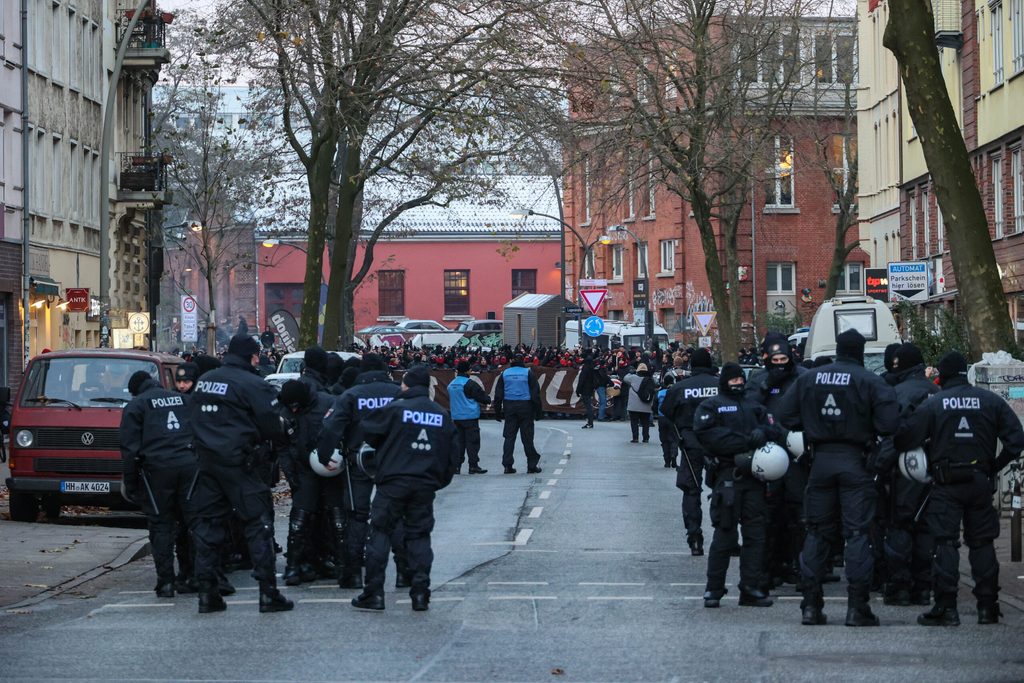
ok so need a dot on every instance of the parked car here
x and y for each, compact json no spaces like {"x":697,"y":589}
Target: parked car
{"x":291,"y":366}
{"x":421,"y":326}
{"x":65,"y":445}
{"x":480,"y":326}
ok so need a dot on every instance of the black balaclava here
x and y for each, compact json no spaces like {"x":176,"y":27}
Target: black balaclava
{"x":731,"y":371}
{"x":850,"y":344}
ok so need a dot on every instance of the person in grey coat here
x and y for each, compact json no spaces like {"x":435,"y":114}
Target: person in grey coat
{"x":642,"y":390}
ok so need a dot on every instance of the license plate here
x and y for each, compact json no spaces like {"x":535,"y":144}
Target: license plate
{"x":85,"y":487}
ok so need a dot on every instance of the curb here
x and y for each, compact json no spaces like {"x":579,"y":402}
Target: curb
{"x":135,"y":551}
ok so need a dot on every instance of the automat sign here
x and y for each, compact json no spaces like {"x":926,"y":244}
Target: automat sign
{"x":908,"y":281}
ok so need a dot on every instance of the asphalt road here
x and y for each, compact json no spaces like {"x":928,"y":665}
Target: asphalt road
{"x":580,"y":573}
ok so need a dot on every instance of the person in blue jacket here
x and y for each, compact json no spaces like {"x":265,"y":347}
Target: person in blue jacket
{"x":465,"y":397}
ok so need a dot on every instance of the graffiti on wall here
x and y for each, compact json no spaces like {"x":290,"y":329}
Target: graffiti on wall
{"x":666,"y":296}
{"x":696,"y":302}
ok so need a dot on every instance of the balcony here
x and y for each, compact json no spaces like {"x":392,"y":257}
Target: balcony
{"x":147,"y":47}
{"x":142,"y":180}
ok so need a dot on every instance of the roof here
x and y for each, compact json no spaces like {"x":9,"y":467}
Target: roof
{"x":121,"y":353}
{"x":532,"y":300}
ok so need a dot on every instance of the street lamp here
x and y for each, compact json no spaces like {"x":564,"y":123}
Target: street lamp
{"x":648,"y":318}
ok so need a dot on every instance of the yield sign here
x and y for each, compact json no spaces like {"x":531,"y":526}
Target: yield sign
{"x":593,"y":298}
{"x":704,"y":321}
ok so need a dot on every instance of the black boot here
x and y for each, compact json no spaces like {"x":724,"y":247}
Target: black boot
{"x":371,"y":601}
{"x":811,"y":608}
{"x":858,"y":612}
{"x":403,"y":579}
{"x":921,"y":597}
{"x":210,"y":599}
{"x":165,"y":589}
{"x":184,"y":585}
{"x":336,"y":519}
{"x":271,"y":600}
{"x":754,"y":597}
{"x":942,"y":615}
{"x":224,"y":586}
{"x":420,"y":601}
{"x":898,"y":596}
{"x":988,"y":613}
{"x":696,"y":543}
{"x":713,"y":599}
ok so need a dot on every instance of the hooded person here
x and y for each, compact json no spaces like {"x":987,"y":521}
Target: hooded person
{"x":314,"y":368}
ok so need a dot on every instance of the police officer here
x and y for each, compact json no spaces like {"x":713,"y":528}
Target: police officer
{"x":185,"y":376}
{"x":413,"y":437}
{"x":681,"y":403}
{"x":159,"y":466}
{"x":517,"y":399}
{"x":374,"y":389}
{"x":314,"y":368}
{"x":785,"y":497}
{"x":465,"y":398}
{"x":305,"y":409}
{"x":667,"y":435}
{"x":907,"y":544}
{"x":963,"y":423}
{"x":234,"y":415}
{"x":842,"y":409}
{"x":729,"y":427}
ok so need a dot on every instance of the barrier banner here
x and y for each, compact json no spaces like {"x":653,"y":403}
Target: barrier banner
{"x":557,"y":388}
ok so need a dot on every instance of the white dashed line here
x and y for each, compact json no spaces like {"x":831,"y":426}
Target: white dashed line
{"x":523,"y":536}
{"x":535,"y":512}
{"x":121,"y":605}
{"x":242,"y":602}
{"x":303,"y":601}
{"x":406,"y":601}
{"x":522,"y":597}
{"x":455,"y":583}
{"x":687,"y":584}
{"x":608,"y":583}
{"x":566,"y":455}
{"x":517,"y":583}
{"x":563,"y":461}
{"x":320,"y":586}
{"x":544,"y":495}
{"x":551,"y":482}
{"x":620,"y":597}
{"x":559,"y":471}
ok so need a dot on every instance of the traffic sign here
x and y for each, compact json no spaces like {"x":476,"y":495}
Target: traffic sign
{"x":189,"y":320}
{"x":593,"y":283}
{"x":908,"y":281}
{"x":572,"y":310}
{"x":704,"y":343}
{"x":593,"y":298}
{"x":593,"y":326}
{"x":78,"y":299}
{"x":138,"y":322}
{"x":704,"y":321}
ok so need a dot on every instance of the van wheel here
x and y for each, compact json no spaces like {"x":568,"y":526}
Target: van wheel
{"x":24,"y":507}
{"x":51,"y":507}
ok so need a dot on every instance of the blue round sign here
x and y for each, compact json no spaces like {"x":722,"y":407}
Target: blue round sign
{"x":593,"y":326}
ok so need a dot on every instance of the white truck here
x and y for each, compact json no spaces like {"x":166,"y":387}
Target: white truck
{"x":869,"y":316}
{"x":616,"y":333}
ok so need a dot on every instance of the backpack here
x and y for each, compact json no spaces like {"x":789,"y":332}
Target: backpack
{"x":647,"y":390}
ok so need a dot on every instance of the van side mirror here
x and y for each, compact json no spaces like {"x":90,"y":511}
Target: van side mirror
{"x":5,"y":395}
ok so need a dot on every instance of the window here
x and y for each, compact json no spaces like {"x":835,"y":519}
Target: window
{"x":617,"y":262}
{"x":779,"y":190}
{"x":842,"y":149}
{"x":851,"y":279}
{"x":390,"y":292}
{"x":286,"y":296}
{"x":586,"y":191}
{"x":456,"y":292}
{"x":652,"y":186}
{"x":1017,"y":28}
{"x":996,"y":32}
{"x":58,"y":178}
{"x":845,"y":70}
{"x":780,"y":278}
{"x":926,"y":223}
{"x":524,"y":282}
{"x":641,"y":259}
{"x":630,"y":186}
{"x":1017,"y":178}
{"x":997,"y":196}
{"x":823,"y":57}
{"x":668,"y":256}
{"x":641,"y":85}
{"x":913,"y":225}
{"x":790,"y":57}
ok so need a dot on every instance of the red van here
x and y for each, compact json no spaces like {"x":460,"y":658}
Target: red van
{"x":65,"y":447}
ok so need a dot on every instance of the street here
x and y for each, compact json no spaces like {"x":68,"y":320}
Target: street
{"x":579,"y":573}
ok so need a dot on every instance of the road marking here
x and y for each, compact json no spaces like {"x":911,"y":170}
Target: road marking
{"x":609,"y":583}
{"x":565,"y":454}
{"x":687,"y":584}
{"x":322,"y":586}
{"x":522,"y":597}
{"x":303,"y":601}
{"x":407,"y":601}
{"x":535,"y":512}
{"x":551,"y":482}
{"x":242,"y":602}
{"x":544,"y":495}
{"x":562,"y":461}
{"x":523,"y":536}
{"x":559,"y":471}
{"x":620,"y":597}
{"x":454,"y":583}
{"x":517,"y":583}
{"x":138,"y":604}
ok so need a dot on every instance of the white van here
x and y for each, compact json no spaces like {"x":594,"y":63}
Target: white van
{"x":869,"y":316}
{"x":616,"y":333}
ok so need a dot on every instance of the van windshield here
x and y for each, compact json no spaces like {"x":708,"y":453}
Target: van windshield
{"x":637,"y":340}
{"x":292,"y":365}
{"x":84,"y":381}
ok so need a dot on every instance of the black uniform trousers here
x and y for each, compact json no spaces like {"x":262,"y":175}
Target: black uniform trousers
{"x":412,"y":507}
{"x":358,"y":492}
{"x":786,"y":523}
{"x":669,"y":438}
{"x":839,"y":488}
{"x":170,"y":486}
{"x":219,"y":489}
{"x":310,"y":491}
{"x":736,"y":504}
{"x":518,"y":420}
{"x":467,"y":441}
{"x":969,"y":503}
{"x":688,"y":479}
{"x":908,"y":544}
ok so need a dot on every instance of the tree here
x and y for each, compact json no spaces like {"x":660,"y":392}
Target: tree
{"x":227,"y":167}
{"x":378,"y":96}
{"x":910,"y":36}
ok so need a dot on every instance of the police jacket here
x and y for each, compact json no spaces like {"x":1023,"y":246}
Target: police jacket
{"x":156,"y":429}
{"x":465,"y":398}
{"x":517,"y":383}
{"x":308,"y":423}
{"x":234,"y":411}
{"x":769,"y":386}
{"x":911,"y":387}
{"x":413,"y":438}
{"x":314,"y":378}
{"x":682,"y":400}
{"x":726,"y":426}
{"x":342,"y":427}
{"x":840,"y":404}
{"x":962,"y":424}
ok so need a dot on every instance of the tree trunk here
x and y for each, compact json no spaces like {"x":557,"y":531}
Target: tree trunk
{"x":319,"y":181}
{"x":728,"y":334}
{"x":346,"y":236}
{"x":909,"y":35}
{"x":840,"y":250}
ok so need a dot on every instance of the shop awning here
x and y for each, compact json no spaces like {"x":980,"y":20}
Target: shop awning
{"x":44,"y":285}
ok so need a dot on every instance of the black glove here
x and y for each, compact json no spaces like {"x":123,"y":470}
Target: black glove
{"x":743,"y":465}
{"x":710,"y":462}
{"x":324,"y":457}
{"x":757,"y":438}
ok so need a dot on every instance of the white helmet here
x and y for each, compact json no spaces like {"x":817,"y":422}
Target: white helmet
{"x":365,"y":460}
{"x":795,"y":444}
{"x":914,"y":465}
{"x":333,"y":468}
{"x":769,"y":462}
